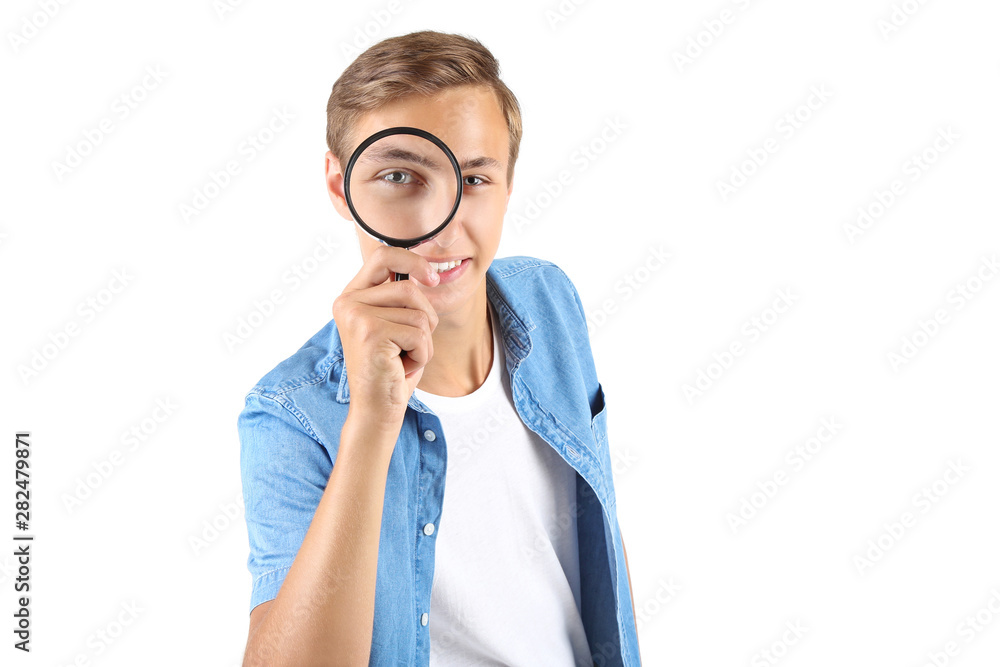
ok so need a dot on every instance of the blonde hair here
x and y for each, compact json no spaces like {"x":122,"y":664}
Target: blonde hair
{"x":418,"y":63}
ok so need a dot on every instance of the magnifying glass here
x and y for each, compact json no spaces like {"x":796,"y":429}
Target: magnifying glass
{"x":403,"y":186}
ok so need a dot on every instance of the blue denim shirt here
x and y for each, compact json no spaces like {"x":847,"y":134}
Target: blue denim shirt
{"x":290,"y":428}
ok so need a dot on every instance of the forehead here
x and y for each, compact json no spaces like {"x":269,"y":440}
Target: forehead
{"x":467,"y":118}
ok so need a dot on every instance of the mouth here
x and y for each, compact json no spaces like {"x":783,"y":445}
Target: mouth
{"x":444,"y":267}
{"x":451,"y":270}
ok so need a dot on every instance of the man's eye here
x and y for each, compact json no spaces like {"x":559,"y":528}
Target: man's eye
{"x":398,"y":178}
{"x":473,"y":180}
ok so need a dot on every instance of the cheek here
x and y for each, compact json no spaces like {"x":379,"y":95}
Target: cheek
{"x":485,"y":215}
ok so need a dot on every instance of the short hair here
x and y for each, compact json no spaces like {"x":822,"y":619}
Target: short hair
{"x":424,"y":63}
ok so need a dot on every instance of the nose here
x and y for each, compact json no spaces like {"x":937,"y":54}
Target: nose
{"x":453,"y":230}
{"x":447,"y":235}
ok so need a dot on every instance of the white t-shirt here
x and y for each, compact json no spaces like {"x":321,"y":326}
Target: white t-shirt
{"x":506,"y":586}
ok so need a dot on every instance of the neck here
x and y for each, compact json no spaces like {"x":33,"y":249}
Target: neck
{"x":463,"y":351}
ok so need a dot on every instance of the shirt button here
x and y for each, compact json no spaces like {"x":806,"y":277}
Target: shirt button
{"x":429,"y":435}
{"x":423,"y":618}
{"x":429,"y":529}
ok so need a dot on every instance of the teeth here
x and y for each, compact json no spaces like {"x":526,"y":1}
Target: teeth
{"x":447,"y":266}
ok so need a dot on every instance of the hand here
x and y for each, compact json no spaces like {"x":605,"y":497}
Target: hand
{"x":378,"y":318}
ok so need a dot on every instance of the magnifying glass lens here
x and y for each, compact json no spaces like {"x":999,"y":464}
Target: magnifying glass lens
{"x":403,"y":186}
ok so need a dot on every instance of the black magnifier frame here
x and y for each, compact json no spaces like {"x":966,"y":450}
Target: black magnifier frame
{"x":390,"y":240}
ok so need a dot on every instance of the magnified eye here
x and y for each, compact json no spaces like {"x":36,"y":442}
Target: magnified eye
{"x":398,"y":178}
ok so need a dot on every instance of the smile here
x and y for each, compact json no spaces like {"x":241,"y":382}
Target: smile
{"x":446,"y":266}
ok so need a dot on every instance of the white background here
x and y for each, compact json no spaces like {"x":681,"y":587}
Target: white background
{"x":705,"y":594}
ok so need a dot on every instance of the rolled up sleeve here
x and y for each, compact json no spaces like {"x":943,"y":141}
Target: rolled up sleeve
{"x":284,"y":472}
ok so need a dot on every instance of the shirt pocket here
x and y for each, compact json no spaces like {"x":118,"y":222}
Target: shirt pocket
{"x":599,"y":418}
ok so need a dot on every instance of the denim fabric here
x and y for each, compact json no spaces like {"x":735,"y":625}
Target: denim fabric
{"x":290,"y":428}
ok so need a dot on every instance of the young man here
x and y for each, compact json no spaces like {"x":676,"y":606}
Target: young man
{"x":358,"y":554}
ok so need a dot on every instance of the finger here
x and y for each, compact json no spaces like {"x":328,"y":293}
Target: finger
{"x":411,"y":317}
{"x":400,"y":294}
{"x":385,"y":262}
{"x":417,"y":342}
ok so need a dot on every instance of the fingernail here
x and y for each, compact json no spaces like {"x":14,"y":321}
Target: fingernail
{"x":434,"y":277}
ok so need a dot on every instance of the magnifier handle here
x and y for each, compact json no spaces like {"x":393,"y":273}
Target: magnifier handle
{"x":402,"y":276}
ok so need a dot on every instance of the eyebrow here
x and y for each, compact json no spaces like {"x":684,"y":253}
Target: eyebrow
{"x":394,"y":154}
{"x":480,"y":162}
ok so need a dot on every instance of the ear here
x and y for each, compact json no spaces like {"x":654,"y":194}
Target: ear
{"x":335,"y":185}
